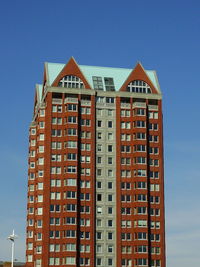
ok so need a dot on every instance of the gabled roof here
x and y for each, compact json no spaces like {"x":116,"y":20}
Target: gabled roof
{"x":119,"y":75}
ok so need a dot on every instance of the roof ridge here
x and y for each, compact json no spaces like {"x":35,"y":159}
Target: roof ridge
{"x":105,"y":67}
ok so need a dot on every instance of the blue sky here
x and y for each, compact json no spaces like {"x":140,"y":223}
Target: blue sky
{"x":163,"y":35}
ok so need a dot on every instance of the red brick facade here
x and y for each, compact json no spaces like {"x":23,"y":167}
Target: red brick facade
{"x":62,"y":176}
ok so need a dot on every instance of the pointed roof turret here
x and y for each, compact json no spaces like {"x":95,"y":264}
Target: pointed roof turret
{"x":139,"y":73}
{"x":71,"y":68}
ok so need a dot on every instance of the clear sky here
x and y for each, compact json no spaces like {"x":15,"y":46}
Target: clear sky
{"x":163,"y":35}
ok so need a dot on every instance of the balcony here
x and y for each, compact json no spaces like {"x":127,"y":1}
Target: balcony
{"x":71,"y":100}
{"x":56,"y":101}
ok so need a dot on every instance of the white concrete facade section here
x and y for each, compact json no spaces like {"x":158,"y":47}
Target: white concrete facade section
{"x":106,"y":184}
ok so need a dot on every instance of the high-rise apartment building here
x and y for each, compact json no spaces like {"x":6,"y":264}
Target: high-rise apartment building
{"x":96,"y":187}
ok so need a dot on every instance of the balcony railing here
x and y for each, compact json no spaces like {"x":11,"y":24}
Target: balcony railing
{"x":56,"y":101}
{"x":139,"y":105}
{"x":86,"y":102}
{"x":125,"y":105}
{"x":71,"y":100}
{"x":153,"y":107}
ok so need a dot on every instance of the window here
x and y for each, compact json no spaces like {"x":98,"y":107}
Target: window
{"x":110,"y":124}
{"x":99,"y":147}
{"x":56,"y":120}
{"x":140,"y":124}
{"x":140,"y":160}
{"x":110,"y":210}
{"x":85,"y":122}
{"x":72,"y":144}
{"x":99,"y":123}
{"x":126,"y":149}
{"x":32,"y":142}
{"x":99,"y":210}
{"x":110,"y":148}
{"x":99,"y":261}
{"x":99,"y":235}
{"x":110,"y":100}
{"x":29,"y":258}
{"x":110,"y":235}
{"x":71,"y":247}
{"x":99,"y":111}
{"x":141,"y":210}
{"x":142,"y":262}
{"x":110,"y":262}
{"x":70,"y":260}
{"x":125,"y":161}
{"x":85,"y":134}
{"x":71,"y":156}
{"x":31,"y":187}
{"x":40,"y":186}
{"x":125,"y":224}
{"x":55,"y":157}
{"x":141,"y":235}
{"x":33,"y":131}
{"x":39,"y":236}
{"x":40,"y":173}
{"x":154,"y":187}
{"x":71,"y":132}
{"x":110,"y":248}
{"x":125,"y":137}
{"x":69,"y":220}
{"x":99,"y":185}
{"x":99,"y":248}
{"x":110,"y":136}
{"x":97,"y":83}
{"x":110,"y":197}
{"x":141,"y":185}
{"x":70,"y":233}
{"x":55,"y":132}
{"x":153,"y":126}
{"x":54,"y":208}
{"x":72,"y":107}
{"x":71,"y":169}
{"x":110,"y":223}
{"x":141,"y":173}
{"x":70,"y":194}
{"x":154,"y":174}
{"x":141,"y":197}
{"x":110,"y":112}
{"x":125,"y":173}
{"x":125,"y":113}
{"x":139,"y":112}
{"x":110,"y":160}
{"x":110,"y":173}
{"x":32,"y":165}
{"x":99,"y":197}
{"x":140,"y":136}
{"x":99,"y":135}
{"x":110,"y":185}
{"x":30,"y":246}
{"x":109,"y":84}
{"x":85,"y":110}
{"x":56,"y":108}
{"x":56,"y":145}
{"x":70,"y":81}
{"x":40,"y":198}
{"x":42,"y":112}
{"x":125,"y":125}
{"x":99,"y":160}
{"x":100,"y":99}
{"x":55,"y":170}
{"x":138,"y":86}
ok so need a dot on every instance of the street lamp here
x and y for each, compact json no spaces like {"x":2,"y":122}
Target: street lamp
{"x":12,"y":238}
